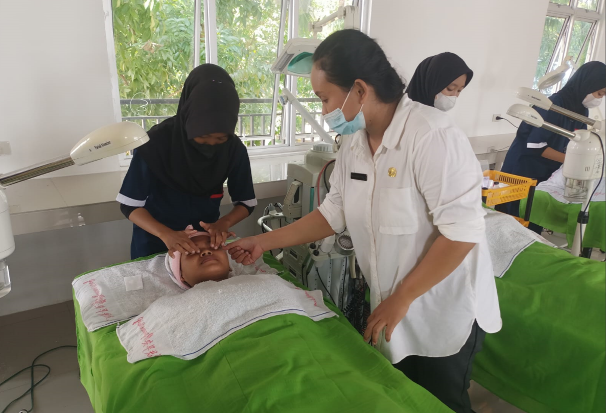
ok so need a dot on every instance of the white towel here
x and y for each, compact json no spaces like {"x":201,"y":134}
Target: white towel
{"x":507,"y":239}
{"x":190,"y":324}
{"x":556,"y":187}
{"x":118,"y":293}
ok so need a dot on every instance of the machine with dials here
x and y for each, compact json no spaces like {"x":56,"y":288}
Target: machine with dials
{"x":104,"y":142}
{"x":328,"y":264}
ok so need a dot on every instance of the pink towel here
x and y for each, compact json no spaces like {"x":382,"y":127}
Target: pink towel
{"x":173,"y":265}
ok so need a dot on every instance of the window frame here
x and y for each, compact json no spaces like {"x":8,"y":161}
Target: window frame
{"x":209,"y":8}
{"x":571,"y":13}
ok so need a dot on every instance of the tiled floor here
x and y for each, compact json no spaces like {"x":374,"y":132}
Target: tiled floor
{"x":560,"y":240}
{"x":27,"y":334}
{"x":24,"y":336}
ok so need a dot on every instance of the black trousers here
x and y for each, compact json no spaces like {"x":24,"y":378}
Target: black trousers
{"x":447,"y":378}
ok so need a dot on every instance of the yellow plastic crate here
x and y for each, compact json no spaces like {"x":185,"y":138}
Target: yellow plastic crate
{"x":518,"y":188}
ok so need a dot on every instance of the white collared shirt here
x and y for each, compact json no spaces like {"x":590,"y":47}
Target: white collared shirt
{"x":424,"y":180}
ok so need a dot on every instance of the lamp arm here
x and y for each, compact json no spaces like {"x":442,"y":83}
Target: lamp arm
{"x":573,"y":115}
{"x":35,"y":170}
{"x":558,"y":130}
{"x":308,"y":117}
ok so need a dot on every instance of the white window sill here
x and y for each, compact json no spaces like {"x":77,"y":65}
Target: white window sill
{"x":277,"y":153}
{"x":53,"y":203}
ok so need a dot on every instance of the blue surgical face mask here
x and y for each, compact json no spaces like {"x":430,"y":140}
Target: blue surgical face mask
{"x":337,"y":122}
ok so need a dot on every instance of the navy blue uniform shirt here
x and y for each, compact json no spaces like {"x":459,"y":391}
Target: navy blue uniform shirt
{"x":524,"y":157}
{"x":176,"y":209}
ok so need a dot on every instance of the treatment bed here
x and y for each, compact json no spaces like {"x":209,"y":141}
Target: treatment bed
{"x":282,"y":364}
{"x":552,"y":210}
{"x":550,"y":354}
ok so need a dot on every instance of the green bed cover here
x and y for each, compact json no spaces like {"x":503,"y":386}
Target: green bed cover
{"x":562,"y":218}
{"x":286,"y":363}
{"x":550,"y":354}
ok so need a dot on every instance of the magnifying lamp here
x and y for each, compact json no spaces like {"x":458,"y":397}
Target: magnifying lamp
{"x":555,"y":76}
{"x":532,"y":117}
{"x":296,"y":60}
{"x":540,"y":100}
{"x":584,"y":159}
{"x":104,"y":142}
{"x":296,"y":57}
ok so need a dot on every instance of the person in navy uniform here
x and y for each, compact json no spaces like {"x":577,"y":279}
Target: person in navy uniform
{"x":536,"y":152}
{"x":176,"y":179}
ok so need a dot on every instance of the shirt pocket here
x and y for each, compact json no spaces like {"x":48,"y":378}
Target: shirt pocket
{"x":397,"y":211}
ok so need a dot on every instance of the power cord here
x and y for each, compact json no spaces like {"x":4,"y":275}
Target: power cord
{"x":594,"y":189}
{"x":498,"y":118}
{"x":33,"y":384}
{"x":343,"y":285}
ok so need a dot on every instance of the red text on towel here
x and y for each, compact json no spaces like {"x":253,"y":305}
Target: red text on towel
{"x":149,"y":348}
{"x":99,"y":303}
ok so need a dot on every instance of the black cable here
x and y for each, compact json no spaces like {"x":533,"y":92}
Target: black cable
{"x":498,"y":118}
{"x":594,"y":189}
{"x":601,"y":177}
{"x":32,"y":384}
{"x":325,"y":288}
{"x":343,"y":290}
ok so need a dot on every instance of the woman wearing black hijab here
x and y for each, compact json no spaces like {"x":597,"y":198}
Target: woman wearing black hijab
{"x":536,"y":152}
{"x":176,"y":179}
{"x":438,"y":81}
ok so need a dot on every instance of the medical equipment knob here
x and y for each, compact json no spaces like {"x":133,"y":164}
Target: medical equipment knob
{"x":313,"y":246}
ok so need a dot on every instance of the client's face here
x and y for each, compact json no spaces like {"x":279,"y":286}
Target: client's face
{"x":210,"y":264}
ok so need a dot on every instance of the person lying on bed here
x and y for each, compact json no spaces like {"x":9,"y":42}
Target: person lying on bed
{"x":189,"y":270}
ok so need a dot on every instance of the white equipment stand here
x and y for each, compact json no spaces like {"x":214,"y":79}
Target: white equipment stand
{"x":584,"y":156}
{"x":104,"y":142}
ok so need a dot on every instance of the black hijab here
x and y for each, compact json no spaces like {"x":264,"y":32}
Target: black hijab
{"x":434,"y":74}
{"x":589,"y":78}
{"x":209,"y":104}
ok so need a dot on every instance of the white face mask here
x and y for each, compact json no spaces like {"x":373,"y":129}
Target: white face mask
{"x":444,"y":102}
{"x":591,"y":101}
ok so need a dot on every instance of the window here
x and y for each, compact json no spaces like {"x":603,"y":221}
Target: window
{"x":154,"y":42}
{"x":247,"y":37}
{"x":311,"y":11}
{"x":569,"y":35}
{"x":158,"y":42}
{"x":552,"y":33}
{"x":588,"y":4}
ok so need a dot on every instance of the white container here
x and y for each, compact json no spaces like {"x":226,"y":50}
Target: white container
{"x":7,"y":244}
{"x":5,"y":280}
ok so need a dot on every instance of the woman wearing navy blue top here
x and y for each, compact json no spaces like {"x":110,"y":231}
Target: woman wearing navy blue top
{"x":176,"y":179}
{"x":536,"y":152}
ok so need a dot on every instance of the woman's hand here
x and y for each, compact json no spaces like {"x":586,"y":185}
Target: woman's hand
{"x":218,"y":231}
{"x":245,"y":251}
{"x":387,"y":315}
{"x":179,"y":241}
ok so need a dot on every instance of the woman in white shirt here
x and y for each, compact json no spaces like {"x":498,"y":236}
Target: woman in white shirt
{"x":407,"y":186}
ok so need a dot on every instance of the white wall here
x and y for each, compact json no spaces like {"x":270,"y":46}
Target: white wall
{"x":499,"y":41}
{"x":55,"y":80}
